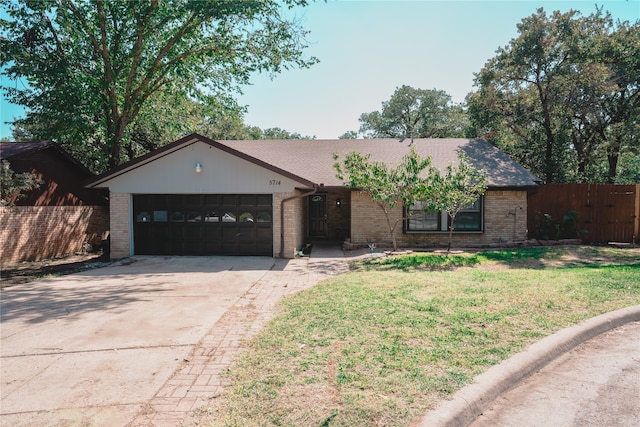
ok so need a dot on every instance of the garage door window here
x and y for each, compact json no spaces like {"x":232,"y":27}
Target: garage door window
{"x":263,"y":217}
{"x":143,"y":217}
{"x":177,"y":217}
{"x":246,"y":217}
{"x":212,"y":217}
{"x":160,"y":216}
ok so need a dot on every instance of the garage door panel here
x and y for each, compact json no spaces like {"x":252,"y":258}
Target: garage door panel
{"x":208,"y":224}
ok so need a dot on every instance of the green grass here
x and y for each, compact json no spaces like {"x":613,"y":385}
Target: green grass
{"x":383,"y":344}
{"x":439,"y":260}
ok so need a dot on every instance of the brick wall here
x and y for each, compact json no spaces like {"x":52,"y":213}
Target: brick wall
{"x":505,"y":219}
{"x":293,"y":223}
{"x":120,"y":225}
{"x":338,"y":217}
{"x":32,"y":233}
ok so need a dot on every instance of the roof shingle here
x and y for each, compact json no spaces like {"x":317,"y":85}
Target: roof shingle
{"x":313,"y":159}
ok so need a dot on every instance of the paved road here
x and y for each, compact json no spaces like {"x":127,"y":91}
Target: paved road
{"x":595,"y":384}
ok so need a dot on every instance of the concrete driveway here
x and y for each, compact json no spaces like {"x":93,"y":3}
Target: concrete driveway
{"x":94,"y":348}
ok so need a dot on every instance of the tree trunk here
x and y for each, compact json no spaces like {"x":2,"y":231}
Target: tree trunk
{"x":613,"y":167}
{"x":452,"y":218}
{"x":550,"y":137}
{"x":116,"y":139}
{"x":392,"y":231}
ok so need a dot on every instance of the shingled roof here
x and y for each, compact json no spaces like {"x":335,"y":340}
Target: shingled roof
{"x":12,"y":149}
{"x":313,"y":159}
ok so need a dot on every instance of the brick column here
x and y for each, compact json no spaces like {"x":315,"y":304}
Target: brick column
{"x":120,"y":229}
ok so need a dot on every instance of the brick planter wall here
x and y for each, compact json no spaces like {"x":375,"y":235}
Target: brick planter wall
{"x":32,"y":233}
{"x":368,"y":223}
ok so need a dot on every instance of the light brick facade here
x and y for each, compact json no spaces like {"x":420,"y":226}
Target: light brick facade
{"x":293,"y":228}
{"x":32,"y":233}
{"x":505,"y":220}
{"x":120,"y":204}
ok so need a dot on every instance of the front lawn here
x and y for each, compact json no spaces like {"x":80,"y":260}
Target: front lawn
{"x":384,"y":343}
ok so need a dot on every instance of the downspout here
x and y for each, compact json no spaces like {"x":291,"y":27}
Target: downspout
{"x":282,"y":202}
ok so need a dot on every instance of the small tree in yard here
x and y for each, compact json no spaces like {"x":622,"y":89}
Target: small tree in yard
{"x":408,"y":182}
{"x":459,"y":188}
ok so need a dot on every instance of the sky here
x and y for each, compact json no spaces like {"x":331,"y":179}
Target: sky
{"x":369,"y":48}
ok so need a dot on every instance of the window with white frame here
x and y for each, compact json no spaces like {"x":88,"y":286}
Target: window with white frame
{"x":421,"y":221}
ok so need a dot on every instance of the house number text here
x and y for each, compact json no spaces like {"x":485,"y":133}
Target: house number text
{"x":274,"y":182}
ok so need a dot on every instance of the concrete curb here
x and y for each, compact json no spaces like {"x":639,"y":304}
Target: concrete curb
{"x":471,"y":401}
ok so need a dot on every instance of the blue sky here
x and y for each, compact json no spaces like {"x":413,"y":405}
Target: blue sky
{"x":368,"y":48}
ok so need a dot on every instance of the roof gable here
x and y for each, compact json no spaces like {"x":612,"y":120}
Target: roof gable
{"x":102,"y":180}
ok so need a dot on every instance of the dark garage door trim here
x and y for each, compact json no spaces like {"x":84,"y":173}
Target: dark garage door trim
{"x":203,"y":224}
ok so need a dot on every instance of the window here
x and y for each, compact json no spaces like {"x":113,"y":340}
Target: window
{"x":177,"y":217}
{"x":143,"y":217}
{"x":194,"y":217}
{"x":469,"y":219}
{"x":246,"y":217}
{"x":160,"y":216}
{"x":263,"y":217}
{"x":211,"y":217}
{"x":229,"y":217}
{"x":419,"y":221}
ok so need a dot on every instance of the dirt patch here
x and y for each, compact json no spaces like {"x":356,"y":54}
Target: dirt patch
{"x":28,"y":271}
{"x":576,"y":256}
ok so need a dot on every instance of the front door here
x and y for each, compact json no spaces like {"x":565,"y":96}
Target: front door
{"x":318,"y":215}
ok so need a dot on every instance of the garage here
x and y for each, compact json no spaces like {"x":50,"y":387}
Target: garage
{"x":203,"y":224}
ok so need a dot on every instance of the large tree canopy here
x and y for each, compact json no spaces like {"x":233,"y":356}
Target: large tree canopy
{"x":415,"y":113}
{"x":563,"y":97}
{"x":94,"y":68}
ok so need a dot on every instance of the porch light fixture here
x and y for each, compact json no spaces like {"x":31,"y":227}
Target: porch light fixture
{"x":198,"y":167}
{"x":338,"y":202}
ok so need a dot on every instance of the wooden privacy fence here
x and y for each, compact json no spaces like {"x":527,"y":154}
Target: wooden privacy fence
{"x":607,"y":212}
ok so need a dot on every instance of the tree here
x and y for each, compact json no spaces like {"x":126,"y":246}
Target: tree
{"x":562,"y":97}
{"x":350,"y":134}
{"x":460,"y":187}
{"x":14,"y":185}
{"x":621,"y":53}
{"x":408,"y":182}
{"x":415,"y":113}
{"x":278,"y":133}
{"x":94,"y":66}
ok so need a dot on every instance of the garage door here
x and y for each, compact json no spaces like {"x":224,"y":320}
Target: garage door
{"x":203,"y":224}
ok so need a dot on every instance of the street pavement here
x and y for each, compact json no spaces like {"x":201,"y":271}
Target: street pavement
{"x":595,"y":384}
{"x":587,"y":375}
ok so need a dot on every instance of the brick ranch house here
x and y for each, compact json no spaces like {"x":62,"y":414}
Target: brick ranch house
{"x":198,"y":196}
